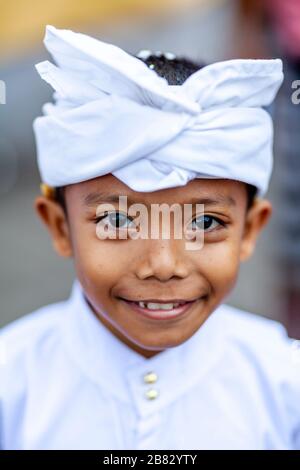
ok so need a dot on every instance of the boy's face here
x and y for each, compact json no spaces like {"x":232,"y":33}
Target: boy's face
{"x":117,"y":274}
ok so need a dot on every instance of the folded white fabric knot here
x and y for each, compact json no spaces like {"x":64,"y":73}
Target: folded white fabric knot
{"x":112,"y":114}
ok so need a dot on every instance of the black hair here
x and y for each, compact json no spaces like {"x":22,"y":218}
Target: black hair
{"x":60,"y":197}
{"x":175,"y":70}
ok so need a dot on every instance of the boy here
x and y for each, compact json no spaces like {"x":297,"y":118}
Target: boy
{"x":145,"y":354}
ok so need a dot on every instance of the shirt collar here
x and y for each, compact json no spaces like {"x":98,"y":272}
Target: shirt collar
{"x":126,"y":374}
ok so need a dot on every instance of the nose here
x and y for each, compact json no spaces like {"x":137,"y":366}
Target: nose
{"x":163,"y":260}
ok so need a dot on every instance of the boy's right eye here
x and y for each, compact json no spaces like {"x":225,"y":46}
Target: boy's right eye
{"x":116,"y":220}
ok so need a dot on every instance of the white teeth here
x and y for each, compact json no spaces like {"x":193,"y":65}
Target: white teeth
{"x":156,"y":306}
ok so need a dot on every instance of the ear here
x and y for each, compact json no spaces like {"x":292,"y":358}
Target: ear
{"x":53,"y":216}
{"x":256,"y":218}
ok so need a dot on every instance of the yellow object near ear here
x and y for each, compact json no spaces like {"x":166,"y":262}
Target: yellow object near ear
{"x":47,"y":191}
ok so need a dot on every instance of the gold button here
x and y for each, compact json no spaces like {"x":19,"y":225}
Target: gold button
{"x":151,"y":394}
{"x":150,"y":378}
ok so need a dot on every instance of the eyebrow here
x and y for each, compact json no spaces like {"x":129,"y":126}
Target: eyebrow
{"x":214,"y":201}
{"x":95,"y":198}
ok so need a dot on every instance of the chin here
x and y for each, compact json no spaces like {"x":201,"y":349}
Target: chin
{"x":165,"y":343}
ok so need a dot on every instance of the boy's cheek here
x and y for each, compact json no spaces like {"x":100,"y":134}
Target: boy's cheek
{"x":220,"y":266}
{"x":100,"y":265}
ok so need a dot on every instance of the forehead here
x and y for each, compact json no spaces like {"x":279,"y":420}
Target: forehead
{"x":108,"y":188}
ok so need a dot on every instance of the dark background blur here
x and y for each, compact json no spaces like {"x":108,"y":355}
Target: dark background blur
{"x":31,"y":274}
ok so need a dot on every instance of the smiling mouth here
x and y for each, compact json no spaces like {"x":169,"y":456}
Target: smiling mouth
{"x":158,"y":309}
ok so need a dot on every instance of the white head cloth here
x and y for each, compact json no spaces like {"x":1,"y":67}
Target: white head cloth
{"x":112,"y":114}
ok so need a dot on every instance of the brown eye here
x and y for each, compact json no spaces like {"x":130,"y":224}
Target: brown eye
{"x":206,"y":223}
{"x":116,"y":220}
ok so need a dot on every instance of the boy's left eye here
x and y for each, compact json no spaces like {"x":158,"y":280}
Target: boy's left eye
{"x":206,"y":223}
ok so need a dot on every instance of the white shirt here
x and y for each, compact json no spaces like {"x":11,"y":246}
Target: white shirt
{"x":66,"y":382}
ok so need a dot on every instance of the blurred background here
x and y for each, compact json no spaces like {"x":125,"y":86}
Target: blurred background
{"x":31,"y":274}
